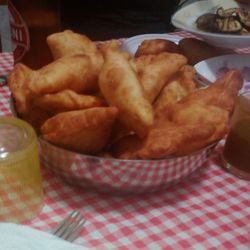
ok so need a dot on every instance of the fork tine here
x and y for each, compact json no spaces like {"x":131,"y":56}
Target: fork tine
{"x":70,"y":227}
{"x":73,"y":227}
{"x":74,"y":234}
{"x":59,"y":227}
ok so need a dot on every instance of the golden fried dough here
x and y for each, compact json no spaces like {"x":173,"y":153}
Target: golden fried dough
{"x":187,"y":73}
{"x":125,"y":147}
{"x":171,"y":93}
{"x":191,"y":128}
{"x":180,"y":85}
{"x":75,"y":72}
{"x":156,"y":46}
{"x":86,"y":131}
{"x":197,"y":120}
{"x":194,"y":113}
{"x":206,"y":107}
{"x":221,"y":94}
{"x":17,"y":82}
{"x":67,"y":100}
{"x":163,"y":141}
{"x":155,"y":70}
{"x":69,"y":43}
{"x":122,"y":89}
{"x":171,"y":140}
{"x":104,"y":102}
{"x":23,"y":99}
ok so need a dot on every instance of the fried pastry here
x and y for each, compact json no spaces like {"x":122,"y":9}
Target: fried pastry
{"x":102,"y":101}
{"x":197,"y":120}
{"x":121,"y":88}
{"x":180,"y":85}
{"x":221,"y":94}
{"x":169,"y":140}
{"x":75,"y":72}
{"x":126,"y":147}
{"x":17,"y":81}
{"x":164,"y":140}
{"x":155,"y":70}
{"x":85,"y":131}
{"x":67,"y":100}
{"x":68,"y":42}
{"x":156,"y":46}
{"x":23,"y":98}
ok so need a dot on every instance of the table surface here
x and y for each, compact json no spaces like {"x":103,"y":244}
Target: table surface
{"x":210,"y":209}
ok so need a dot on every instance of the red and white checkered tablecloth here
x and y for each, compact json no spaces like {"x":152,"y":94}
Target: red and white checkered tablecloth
{"x":6,"y":63}
{"x":208,"y":210}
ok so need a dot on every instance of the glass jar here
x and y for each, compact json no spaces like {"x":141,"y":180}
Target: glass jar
{"x":236,"y":154}
{"x":21,"y":193}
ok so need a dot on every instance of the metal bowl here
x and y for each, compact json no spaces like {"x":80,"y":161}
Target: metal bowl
{"x":118,"y":176}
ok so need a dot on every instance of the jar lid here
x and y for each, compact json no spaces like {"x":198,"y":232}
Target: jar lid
{"x":15,"y":136}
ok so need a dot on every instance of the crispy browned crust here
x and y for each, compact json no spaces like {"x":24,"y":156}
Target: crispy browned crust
{"x":86,"y":131}
{"x":68,"y":100}
{"x":156,"y":46}
{"x":154,"y":71}
{"x":197,"y":120}
{"x":105,"y":102}
{"x":121,"y":88}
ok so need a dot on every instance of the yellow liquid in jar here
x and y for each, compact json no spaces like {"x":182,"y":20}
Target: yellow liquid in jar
{"x":21,"y":193}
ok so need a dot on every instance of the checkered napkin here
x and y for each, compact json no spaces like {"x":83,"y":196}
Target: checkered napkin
{"x":20,"y":237}
{"x":6,"y":63}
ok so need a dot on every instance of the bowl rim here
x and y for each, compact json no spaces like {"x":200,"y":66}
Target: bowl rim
{"x":220,"y":57}
{"x":94,"y":157}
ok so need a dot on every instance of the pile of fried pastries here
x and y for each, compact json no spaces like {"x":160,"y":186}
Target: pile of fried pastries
{"x":99,"y":100}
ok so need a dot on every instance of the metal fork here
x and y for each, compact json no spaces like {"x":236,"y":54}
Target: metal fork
{"x":70,"y":227}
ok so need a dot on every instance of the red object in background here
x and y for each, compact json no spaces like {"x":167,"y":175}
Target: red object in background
{"x":31,"y":22}
{"x":19,"y":33}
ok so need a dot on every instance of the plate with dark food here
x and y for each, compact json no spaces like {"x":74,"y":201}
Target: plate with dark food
{"x":220,"y":23}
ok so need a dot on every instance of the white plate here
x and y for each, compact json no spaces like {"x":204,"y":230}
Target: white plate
{"x":185,"y":19}
{"x":215,"y":67}
{"x":131,"y":44}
